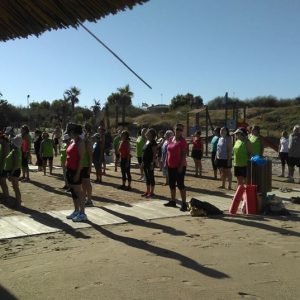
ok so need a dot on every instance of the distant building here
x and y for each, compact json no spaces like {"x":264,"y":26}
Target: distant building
{"x":160,"y":108}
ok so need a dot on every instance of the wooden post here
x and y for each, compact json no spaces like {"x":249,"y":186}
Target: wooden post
{"x":226,"y":108}
{"x":187,"y":124}
{"x":206,"y":130}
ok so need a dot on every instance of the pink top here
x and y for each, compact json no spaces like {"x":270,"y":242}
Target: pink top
{"x":72,"y":157}
{"x":197,"y":144}
{"x":174,"y":152}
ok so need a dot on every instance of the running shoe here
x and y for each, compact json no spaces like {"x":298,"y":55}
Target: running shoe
{"x":145,"y":194}
{"x":81,"y":217}
{"x":183,"y":207}
{"x":170,"y":204}
{"x":150,"y":195}
{"x":88,"y":203}
{"x":72,"y":215}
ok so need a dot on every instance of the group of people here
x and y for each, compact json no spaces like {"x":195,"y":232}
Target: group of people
{"x":80,"y":149}
{"x":164,"y":150}
{"x":248,"y":143}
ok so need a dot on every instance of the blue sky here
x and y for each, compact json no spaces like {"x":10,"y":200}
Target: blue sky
{"x":247,"y":48}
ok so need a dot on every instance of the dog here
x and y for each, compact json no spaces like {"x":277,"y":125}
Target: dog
{"x":201,"y":208}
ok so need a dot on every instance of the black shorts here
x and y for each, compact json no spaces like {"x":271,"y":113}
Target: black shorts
{"x":56,"y":141}
{"x":240,"y":172}
{"x":213,"y":161}
{"x":176,"y":178}
{"x":25,"y":160}
{"x":294,"y":161}
{"x":70,"y":177}
{"x":85,"y":173}
{"x":197,"y":154}
{"x":47,"y":158}
{"x":140,"y":160}
{"x":223,"y":163}
{"x":284,"y":156}
{"x":16,"y":173}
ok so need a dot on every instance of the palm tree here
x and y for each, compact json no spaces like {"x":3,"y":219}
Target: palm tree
{"x":96,"y":108}
{"x":71,"y":96}
{"x":115,"y":99}
{"x":125,"y":98}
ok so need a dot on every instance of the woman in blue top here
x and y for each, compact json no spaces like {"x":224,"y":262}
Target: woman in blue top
{"x":214,"y":144}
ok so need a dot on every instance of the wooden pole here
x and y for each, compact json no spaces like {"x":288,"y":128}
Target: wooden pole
{"x":187,"y":124}
{"x":206,"y":131}
{"x":226,"y":108}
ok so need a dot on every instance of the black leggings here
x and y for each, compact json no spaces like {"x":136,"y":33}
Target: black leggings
{"x":125,"y":169}
{"x":149,"y":174}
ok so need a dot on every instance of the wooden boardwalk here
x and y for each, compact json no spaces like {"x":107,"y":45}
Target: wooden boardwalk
{"x":53,"y":221}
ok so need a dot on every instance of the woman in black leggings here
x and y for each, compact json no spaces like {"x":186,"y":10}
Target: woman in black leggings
{"x":148,"y":159}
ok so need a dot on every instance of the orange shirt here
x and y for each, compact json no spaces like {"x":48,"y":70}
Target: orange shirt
{"x":124,"y":149}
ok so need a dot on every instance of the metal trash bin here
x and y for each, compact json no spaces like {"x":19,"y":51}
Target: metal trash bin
{"x":260,"y":175}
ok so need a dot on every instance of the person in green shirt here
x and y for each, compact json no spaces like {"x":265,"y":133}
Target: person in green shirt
{"x":116,"y":144}
{"x":140,"y":142}
{"x":4,"y":150}
{"x":47,"y":151}
{"x":242,"y":152}
{"x":63,"y":157}
{"x":256,"y":141}
{"x":12,"y":168}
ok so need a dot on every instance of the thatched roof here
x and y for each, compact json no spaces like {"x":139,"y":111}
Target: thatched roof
{"x":21,"y":18}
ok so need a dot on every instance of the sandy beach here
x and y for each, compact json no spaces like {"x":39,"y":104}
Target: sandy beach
{"x":227,"y":257}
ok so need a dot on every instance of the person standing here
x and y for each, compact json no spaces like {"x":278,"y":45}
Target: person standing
{"x":101,"y":130}
{"x":283,"y":151}
{"x":242,"y":152}
{"x":75,"y":152}
{"x":4,"y":150}
{"x":46,"y":152}
{"x":256,"y":141}
{"x":56,"y":137}
{"x":224,"y":156}
{"x":160,"y":140}
{"x":214,"y":144}
{"x":63,"y":157}
{"x":116,"y":144}
{"x":87,"y":165}
{"x":294,"y":152}
{"x":26,"y":147}
{"x":37,"y":148}
{"x":148,"y":162}
{"x":124,"y":150}
{"x":140,"y":143}
{"x":168,"y":136}
{"x":197,"y":152}
{"x":176,"y":162}
{"x":12,"y":167}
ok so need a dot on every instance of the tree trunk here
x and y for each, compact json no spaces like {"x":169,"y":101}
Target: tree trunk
{"x":123,"y":114}
{"x":107,"y":118}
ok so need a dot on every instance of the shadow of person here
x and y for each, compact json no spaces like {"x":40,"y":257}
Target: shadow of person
{"x":5,"y":294}
{"x":159,"y":251}
{"x":50,"y":221}
{"x":49,"y":188}
{"x":143,"y":223}
{"x":246,"y":221}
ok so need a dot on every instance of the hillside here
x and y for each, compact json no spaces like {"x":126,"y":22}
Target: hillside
{"x":271,"y":120}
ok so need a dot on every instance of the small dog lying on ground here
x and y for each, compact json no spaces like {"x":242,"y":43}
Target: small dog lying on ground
{"x":201,"y":208}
